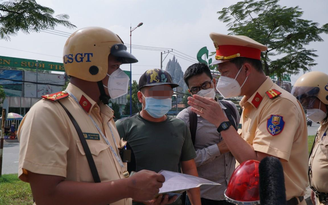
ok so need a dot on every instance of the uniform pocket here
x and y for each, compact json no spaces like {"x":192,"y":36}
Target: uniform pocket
{"x":96,"y":148}
{"x":324,"y":147}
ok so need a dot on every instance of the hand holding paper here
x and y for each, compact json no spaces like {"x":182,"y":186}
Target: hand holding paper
{"x":178,"y":182}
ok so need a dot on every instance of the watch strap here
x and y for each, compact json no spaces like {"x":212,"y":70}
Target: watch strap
{"x":224,"y":126}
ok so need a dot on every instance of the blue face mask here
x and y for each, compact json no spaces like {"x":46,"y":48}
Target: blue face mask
{"x":157,"y":108}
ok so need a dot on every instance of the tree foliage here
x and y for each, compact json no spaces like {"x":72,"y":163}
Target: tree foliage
{"x":136,"y":105}
{"x":116,"y":109}
{"x":27,"y":15}
{"x":280,"y":28}
{"x":185,"y":98}
{"x":2,"y":94}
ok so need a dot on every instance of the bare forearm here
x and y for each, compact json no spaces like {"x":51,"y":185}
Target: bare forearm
{"x":239,"y":148}
{"x":68,"y":192}
{"x":189,"y":167}
{"x":223,"y":147}
{"x":48,"y":189}
{"x":194,"y":196}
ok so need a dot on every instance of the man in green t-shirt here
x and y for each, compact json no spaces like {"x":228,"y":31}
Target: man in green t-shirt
{"x":159,"y":142}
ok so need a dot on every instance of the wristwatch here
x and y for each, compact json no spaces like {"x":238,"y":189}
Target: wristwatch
{"x":224,"y":126}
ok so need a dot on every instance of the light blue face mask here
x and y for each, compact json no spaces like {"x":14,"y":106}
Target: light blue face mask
{"x":157,"y":108}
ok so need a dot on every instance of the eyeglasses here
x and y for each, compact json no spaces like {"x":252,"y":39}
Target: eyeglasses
{"x":203,"y":86}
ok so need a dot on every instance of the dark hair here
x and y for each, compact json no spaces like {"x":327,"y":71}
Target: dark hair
{"x":196,"y":69}
{"x":257,"y":64}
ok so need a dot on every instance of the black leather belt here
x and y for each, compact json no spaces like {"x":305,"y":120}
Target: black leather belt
{"x":294,"y":201}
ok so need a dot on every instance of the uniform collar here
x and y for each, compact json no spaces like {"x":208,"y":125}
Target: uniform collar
{"x":83,"y":99}
{"x":256,"y":99}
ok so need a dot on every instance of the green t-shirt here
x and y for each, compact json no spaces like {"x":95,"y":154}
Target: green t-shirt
{"x":157,"y":145}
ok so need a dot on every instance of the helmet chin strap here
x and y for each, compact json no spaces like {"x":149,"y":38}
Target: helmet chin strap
{"x":103,"y":96}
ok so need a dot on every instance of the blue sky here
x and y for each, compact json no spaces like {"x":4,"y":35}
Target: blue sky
{"x":179,"y":24}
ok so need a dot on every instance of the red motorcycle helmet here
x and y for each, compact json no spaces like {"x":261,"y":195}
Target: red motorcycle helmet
{"x":243,"y":187}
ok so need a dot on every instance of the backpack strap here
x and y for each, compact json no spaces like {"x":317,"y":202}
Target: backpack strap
{"x":231,"y":113}
{"x":193,"y":125}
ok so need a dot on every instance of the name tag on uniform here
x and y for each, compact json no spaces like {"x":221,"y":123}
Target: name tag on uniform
{"x":91,"y":136}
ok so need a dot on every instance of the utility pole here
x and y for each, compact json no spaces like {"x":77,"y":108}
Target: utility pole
{"x":36,"y":79}
{"x":1,"y":137}
{"x":131,"y":30}
{"x":167,"y":53}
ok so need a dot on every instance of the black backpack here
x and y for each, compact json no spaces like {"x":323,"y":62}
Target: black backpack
{"x":230,"y":112}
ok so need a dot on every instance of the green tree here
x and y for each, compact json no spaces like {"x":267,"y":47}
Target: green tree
{"x":2,"y":94}
{"x":116,"y":109}
{"x":136,"y":105}
{"x":185,"y":98}
{"x":27,"y":15}
{"x":281,"y":29}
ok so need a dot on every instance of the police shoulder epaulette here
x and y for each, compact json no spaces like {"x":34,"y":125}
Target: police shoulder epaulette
{"x":55,"y":96}
{"x":273,"y":93}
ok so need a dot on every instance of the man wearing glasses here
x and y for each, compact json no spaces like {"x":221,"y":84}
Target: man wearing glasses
{"x":159,"y":142}
{"x":272,"y":123}
{"x":213,"y":159}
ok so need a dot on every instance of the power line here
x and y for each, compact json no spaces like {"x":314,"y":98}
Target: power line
{"x":29,"y":51}
{"x":25,"y":81}
{"x":184,"y":54}
{"x":141,"y":47}
{"x":55,"y":32}
{"x":183,"y":57}
{"x":135,"y":46}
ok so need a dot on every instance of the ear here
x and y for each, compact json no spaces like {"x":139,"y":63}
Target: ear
{"x":214,"y":81}
{"x":248,"y":68}
{"x":139,"y":94}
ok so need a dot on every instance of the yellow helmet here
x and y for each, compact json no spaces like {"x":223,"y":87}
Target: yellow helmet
{"x":86,"y":53}
{"x":312,"y":84}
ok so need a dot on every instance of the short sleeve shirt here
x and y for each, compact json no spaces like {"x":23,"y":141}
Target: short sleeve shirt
{"x":49,"y":143}
{"x":157,"y":145}
{"x":319,"y":161}
{"x":277,"y":126}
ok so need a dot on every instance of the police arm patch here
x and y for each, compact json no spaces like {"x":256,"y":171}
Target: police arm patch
{"x":275,"y":124}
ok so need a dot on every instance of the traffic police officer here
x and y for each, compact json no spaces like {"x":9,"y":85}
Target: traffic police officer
{"x":273,"y":122}
{"x":52,"y":156}
{"x":312,"y":91}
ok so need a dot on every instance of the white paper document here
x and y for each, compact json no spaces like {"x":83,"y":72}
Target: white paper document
{"x":175,"y":182}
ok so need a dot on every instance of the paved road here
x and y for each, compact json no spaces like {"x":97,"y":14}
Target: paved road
{"x":10,"y":157}
{"x":313,"y":129}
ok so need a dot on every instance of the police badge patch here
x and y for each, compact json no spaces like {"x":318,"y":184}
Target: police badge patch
{"x":275,"y":124}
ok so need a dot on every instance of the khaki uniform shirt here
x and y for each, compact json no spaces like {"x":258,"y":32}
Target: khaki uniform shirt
{"x":319,"y":161}
{"x":49,"y":143}
{"x":277,"y":127}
